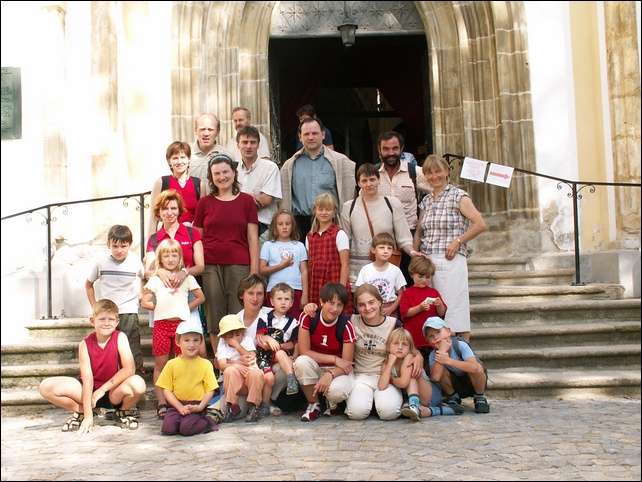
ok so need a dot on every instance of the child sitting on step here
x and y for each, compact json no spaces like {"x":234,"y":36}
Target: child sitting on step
{"x":454,"y":365}
{"x":423,"y":395}
{"x":107,"y":376}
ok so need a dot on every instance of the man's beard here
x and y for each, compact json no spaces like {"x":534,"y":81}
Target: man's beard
{"x":391,"y":160}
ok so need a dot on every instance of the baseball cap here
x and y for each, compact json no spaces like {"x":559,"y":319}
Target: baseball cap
{"x":185,"y":327}
{"x":434,"y":322}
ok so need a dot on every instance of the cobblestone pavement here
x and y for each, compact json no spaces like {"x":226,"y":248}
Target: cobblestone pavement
{"x":545,"y":439}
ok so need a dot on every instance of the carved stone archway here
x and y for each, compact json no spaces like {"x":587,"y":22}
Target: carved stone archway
{"x":479,"y":82}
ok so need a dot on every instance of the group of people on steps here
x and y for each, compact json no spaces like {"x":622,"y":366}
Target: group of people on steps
{"x":291,"y":273}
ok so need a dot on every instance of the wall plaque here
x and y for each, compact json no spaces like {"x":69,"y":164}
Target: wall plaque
{"x":11,"y":103}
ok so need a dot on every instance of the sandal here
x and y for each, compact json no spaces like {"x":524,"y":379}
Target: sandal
{"x":481,"y":405}
{"x":162,"y":410}
{"x":275,"y":411}
{"x":125,"y":419}
{"x":216,"y":414}
{"x":73,"y":423}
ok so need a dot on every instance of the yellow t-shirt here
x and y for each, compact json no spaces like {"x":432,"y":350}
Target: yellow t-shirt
{"x":188,"y":379}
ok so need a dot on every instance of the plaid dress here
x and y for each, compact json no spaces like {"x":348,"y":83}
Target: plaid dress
{"x":324,"y":264}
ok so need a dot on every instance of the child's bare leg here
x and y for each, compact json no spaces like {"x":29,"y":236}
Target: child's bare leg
{"x":128,"y":393}
{"x":267,"y":387}
{"x":478,"y":379}
{"x":285,"y":361}
{"x":159,"y":363}
{"x":446,"y":383}
{"x":64,"y":392}
{"x":424,"y":388}
{"x":287,"y":366}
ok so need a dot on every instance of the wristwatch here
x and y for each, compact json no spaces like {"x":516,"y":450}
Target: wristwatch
{"x":186,"y":272}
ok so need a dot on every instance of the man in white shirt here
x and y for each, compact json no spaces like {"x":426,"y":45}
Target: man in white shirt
{"x":241,"y":118}
{"x":399,"y":179}
{"x":258,"y":177}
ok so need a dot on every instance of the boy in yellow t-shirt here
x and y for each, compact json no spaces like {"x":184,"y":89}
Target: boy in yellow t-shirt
{"x":188,"y":384}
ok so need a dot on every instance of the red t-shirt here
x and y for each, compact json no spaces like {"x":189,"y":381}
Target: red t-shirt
{"x":414,"y":296}
{"x":182,"y":236}
{"x":324,"y":339}
{"x":224,"y":225}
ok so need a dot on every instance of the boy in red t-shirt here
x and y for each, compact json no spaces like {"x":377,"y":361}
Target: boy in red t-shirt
{"x":326,"y":353}
{"x":420,"y":301}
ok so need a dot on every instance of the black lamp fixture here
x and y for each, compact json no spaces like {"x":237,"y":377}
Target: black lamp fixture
{"x":348,"y":28}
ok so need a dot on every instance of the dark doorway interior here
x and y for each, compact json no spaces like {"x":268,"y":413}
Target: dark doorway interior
{"x":376,"y":85}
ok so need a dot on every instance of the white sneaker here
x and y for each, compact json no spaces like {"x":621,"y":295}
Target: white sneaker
{"x":412,"y":412}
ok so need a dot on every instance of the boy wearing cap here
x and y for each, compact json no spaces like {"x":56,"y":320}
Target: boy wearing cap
{"x":188,"y":384}
{"x":239,"y":376}
{"x":458,"y":371}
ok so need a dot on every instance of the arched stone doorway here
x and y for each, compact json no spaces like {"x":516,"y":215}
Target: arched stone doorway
{"x":478,"y":85}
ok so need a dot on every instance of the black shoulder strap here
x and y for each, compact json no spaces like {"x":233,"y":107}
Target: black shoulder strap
{"x":154,"y":237}
{"x":455,"y":342}
{"x":412,"y":170}
{"x":164,"y":183}
{"x":389,"y":205}
{"x":195,"y":180}
{"x":314,"y":321}
{"x":197,"y":186}
{"x":270,"y":317}
{"x":341,"y":327}
{"x":287,"y":325}
{"x":352,"y":206}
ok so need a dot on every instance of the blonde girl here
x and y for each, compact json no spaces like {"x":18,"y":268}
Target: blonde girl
{"x":171,"y":307}
{"x":328,"y":249}
{"x":284,"y":259}
{"x":424,"y":396}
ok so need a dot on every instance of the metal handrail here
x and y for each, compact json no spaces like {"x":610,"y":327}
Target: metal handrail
{"x":575,"y":194}
{"x":48,"y":219}
{"x":140,"y":198}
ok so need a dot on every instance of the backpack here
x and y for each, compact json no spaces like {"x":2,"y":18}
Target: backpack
{"x":195,"y":180}
{"x":456,"y":340}
{"x":341,"y":326}
{"x":154,"y":237}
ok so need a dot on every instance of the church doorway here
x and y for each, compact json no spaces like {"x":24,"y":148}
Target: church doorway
{"x":380,"y":83}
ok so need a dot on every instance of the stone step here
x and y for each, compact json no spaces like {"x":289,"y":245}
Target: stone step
{"x":568,"y":357}
{"x":524,"y":294}
{"x":604,"y":332}
{"x":486,"y":264}
{"x":589,"y":332}
{"x":55,"y":351}
{"x":553,"y":311}
{"x":31,"y":375}
{"x":522,"y":277}
{"x":502,"y":383}
{"x":73,"y":328}
{"x":563,"y":383}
